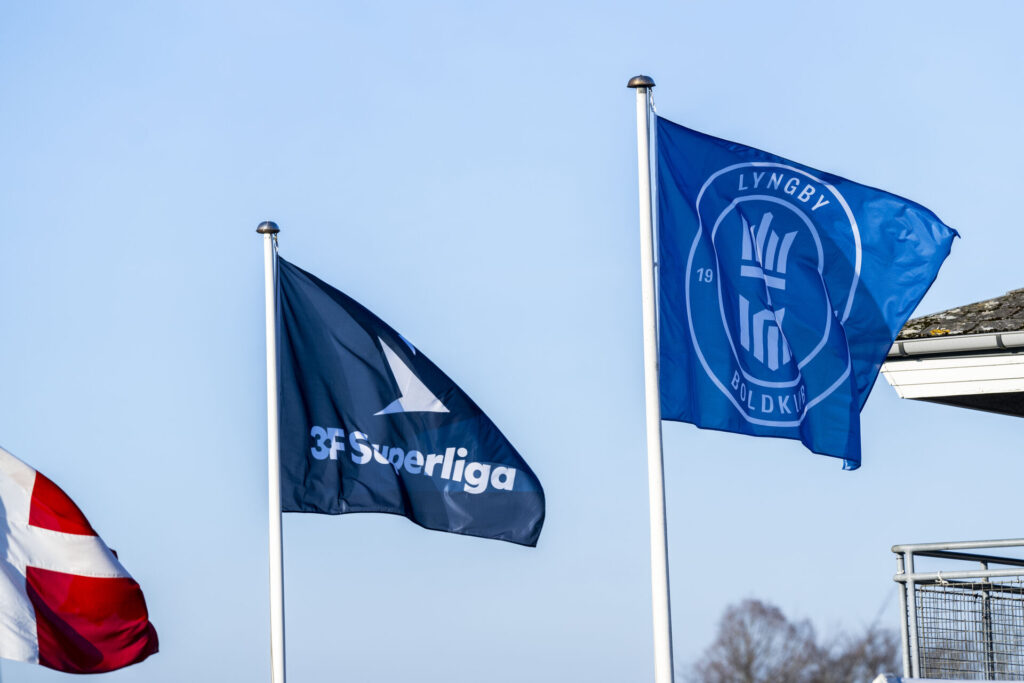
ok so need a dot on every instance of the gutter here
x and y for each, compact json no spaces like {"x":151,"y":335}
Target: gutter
{"x":960,"y":343}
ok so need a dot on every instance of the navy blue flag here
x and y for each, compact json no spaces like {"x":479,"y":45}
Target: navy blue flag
{"x":781,"y":290}
{"x":369,"y":424}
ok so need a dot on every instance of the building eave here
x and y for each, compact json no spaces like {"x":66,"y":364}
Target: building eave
{"x":948,"y":345}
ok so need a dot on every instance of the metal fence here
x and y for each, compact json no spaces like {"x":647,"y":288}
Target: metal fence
{"x":965,"y":622}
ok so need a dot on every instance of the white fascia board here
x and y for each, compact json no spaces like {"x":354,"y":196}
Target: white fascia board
{"x":955,"y":376}
{"x":957,"y":343}
{"x":995,"y":341}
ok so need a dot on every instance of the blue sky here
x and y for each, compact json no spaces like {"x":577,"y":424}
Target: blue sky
{"x":468,"y":172}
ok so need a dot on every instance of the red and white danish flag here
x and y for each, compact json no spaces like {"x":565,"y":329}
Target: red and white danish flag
{"x":65,"y":600}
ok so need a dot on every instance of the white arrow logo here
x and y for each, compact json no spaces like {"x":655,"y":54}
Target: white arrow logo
{"x":415,"y":396}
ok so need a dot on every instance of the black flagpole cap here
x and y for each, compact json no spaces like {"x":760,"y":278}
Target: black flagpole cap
{"x":640,"y":81}
{"x":268,"y":228}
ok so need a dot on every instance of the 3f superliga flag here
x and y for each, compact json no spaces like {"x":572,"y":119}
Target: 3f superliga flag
{"x":781,"y":289}
{"x":369,"y":424}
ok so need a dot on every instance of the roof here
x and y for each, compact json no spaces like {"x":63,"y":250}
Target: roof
{"x":1001,"y":314}
{"x":970,"y":356}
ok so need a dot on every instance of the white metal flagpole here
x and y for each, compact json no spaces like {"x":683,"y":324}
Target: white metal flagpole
{"x":655,"y":477}
{"x":269,"y":231}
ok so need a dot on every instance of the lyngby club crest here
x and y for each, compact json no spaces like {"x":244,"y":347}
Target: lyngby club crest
{"x":770,"y":279}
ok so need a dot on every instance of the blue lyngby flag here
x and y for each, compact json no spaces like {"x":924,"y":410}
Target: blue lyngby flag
{"x":781,"y":289}
{"x":369,"y":424}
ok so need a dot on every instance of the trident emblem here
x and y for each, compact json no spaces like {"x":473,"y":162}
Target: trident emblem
{"x":765,"y":257}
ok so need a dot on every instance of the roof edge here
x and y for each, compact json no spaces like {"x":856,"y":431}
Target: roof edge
{"x":932,"y":346}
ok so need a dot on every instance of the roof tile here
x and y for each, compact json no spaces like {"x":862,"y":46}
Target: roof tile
{"x":1001,"y":314}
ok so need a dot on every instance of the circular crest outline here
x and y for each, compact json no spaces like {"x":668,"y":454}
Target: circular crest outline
{"x":855,"y":232}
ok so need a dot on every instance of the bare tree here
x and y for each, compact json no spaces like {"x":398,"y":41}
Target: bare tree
{"x":756,"y":643}
{"x":857,"y":658}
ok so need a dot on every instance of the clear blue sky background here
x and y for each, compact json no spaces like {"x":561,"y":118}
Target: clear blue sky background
{"x":468,"y":171}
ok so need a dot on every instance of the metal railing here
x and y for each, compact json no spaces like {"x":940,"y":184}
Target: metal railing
{"x":967,"y":623}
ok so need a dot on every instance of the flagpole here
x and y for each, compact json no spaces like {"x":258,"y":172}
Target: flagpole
{"x":269,"y":231}
{"x":655,"y":475}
